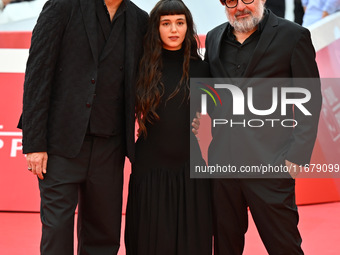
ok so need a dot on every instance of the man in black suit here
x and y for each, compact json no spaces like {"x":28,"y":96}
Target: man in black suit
{"x":298,"y":12}
{"x":78,"y":118}
{"x":278,"y":7}
{"x":255,"y":43}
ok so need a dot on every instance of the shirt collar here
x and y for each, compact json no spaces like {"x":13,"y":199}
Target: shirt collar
{"x":124,"y":4}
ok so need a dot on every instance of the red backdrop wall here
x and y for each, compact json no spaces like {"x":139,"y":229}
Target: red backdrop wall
{"x":19,"y":189}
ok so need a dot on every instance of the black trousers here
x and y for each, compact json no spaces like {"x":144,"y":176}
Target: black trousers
{"x":278,"y":7}
{"x":298,"y":12}
{"x":93,"y":181}
{"x":272,"y":205}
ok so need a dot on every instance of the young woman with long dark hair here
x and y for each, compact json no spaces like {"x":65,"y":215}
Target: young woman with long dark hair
{"x":167,"y":213}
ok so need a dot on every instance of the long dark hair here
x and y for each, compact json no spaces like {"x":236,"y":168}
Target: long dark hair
{"x":149,"y":88}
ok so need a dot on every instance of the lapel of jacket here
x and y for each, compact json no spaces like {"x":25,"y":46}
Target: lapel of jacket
{"x":109,"y":45}
{"x":215,"y":50}
{"x":88,"y":9}
{"x":266,"y":38}
{"x":112,"y":39}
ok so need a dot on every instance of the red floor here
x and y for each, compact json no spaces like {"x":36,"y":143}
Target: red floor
{"x":319,"y":226}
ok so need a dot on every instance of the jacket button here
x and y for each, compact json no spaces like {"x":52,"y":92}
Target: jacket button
{"x":93,"y":81}
{"x":88,"y":105}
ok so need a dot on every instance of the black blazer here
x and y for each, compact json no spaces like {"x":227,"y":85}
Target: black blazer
{"x":284,"y":50}
{"x":62,"y":71}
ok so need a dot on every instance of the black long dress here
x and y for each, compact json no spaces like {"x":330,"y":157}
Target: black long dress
{"x":167,"y":212}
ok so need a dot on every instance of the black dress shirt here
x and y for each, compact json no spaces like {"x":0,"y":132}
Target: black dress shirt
{"x":108,"y":104}
{"x":236,"y":56}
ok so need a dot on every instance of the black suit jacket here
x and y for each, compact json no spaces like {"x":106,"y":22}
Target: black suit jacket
{"x":61,"y":76}
{"x":284,"y":50}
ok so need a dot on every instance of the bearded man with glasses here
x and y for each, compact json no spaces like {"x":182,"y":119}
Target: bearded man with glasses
{"x":255,"y":43}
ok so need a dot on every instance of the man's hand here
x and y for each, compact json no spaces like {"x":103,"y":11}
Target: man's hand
{"x":196,"y":123}
{"x":293,"y":169}
{"x":6,"y":2}
{"x":37,"y":163}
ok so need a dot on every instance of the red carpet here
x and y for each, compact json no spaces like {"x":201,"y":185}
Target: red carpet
{"x":319,"y":226}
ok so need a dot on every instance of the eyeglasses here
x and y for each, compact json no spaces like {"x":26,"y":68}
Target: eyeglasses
{"x":234,"y":3}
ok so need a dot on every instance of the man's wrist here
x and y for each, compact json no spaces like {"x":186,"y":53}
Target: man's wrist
{"x":2,"y":5}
